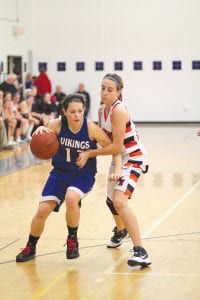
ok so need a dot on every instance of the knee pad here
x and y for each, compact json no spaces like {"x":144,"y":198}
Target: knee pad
{"x":111,"y":207}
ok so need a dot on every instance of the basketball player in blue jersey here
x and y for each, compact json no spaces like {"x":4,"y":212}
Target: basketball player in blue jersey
{"x":116,"y":121}
{"x":67,"y":182}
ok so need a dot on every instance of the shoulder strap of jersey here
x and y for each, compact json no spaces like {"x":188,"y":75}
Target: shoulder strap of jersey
{"x":117,"y":102}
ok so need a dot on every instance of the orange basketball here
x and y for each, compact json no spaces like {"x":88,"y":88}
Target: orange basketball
{"x":45,"y":145}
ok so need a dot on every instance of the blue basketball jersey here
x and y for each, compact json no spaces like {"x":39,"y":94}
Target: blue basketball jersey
{"x":71,"y":144}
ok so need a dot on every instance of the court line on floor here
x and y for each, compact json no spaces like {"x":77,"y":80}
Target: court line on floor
{"x":6,"y":246}
{"x":160,"y":238}
{"x":55,"y":252}
{"x":156,"y":274}
{"x":156,"y":224}
{"x":170,"y":210}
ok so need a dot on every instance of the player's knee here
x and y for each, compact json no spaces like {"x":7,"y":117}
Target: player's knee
{"x":71,"y":204}
{"x":118,"y":204}
{"x":42,"y":214}
{"x":111,"y":206}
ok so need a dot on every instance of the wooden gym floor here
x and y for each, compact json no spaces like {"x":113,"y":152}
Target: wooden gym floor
{"x":166,"y":202}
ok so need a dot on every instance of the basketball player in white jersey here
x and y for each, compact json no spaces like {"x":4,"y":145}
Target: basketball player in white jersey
{"x":116,"y":121}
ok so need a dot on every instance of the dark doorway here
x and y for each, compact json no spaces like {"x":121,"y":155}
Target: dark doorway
{"x":14,"y":64}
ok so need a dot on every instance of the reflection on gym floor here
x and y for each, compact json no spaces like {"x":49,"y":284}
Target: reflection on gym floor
{"x":19,"y":158}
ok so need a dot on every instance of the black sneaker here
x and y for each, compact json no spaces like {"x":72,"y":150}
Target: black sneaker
{"x":26,"y":254}
{"x":72,"y":248}
{"x":139,"y":258}
{"x":117,"y":238}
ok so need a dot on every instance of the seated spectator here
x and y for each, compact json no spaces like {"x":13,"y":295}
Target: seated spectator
{"x":9,"y":84}
{"x":13,"y":119}
{"x":18,"y":83}
{"x":28,"y":81}
{"x":3,"y":132}
{"x":49,"y":109}
{"x":22,"y":123}
{"x":26,"y":111}
{"x":37,"y":102}
{"x":9,"y":119}
{"x":37,"y":107}
{"x":58,"y":97}
{"x":81,"y":90}
{"x":7,"y":96}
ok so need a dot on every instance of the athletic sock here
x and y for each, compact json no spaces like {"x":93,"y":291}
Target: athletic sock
{"x":32,"y":240}
{"x":72,"y":231}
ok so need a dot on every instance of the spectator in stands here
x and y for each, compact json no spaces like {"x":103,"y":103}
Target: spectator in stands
{"x":81,"y":90}
{"x":49,"y":109}
{"x":7,"y":96}
{"x":3,"y":132}
{"x":22,"y":123}
{"x":43,"y":83}
{"x":58,"y":97}
{"x":28,"y":81}
{"x":37,"y":107}
{"x":26,"y":110}
{"x":9,"y":119}
{"x":18,"y":83}
{"x":9,"y":84}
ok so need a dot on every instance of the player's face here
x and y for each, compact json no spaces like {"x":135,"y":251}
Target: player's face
{"x":74,"y":113}
{"x":109,"y":92}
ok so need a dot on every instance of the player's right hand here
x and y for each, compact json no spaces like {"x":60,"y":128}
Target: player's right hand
{"x":41,"y":129}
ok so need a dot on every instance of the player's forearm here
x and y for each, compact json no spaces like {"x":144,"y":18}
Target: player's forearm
{"x":117,"y":163}
{"x":111,"y":149}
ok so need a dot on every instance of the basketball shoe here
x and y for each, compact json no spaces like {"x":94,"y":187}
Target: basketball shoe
{"x":139,"y":258}
{"x":117,"y":238}
{"x":26,"y":254}
{"x":72,"y":248}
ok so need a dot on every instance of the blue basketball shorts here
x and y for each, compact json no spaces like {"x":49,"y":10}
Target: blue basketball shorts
{"x":59,"y":182}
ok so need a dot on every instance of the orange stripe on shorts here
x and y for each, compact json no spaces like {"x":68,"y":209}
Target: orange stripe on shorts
{"x":134,"y":177}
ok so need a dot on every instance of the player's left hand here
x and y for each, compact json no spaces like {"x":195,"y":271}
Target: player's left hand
{"x":113,"y":177}
{"x":82,"y":159}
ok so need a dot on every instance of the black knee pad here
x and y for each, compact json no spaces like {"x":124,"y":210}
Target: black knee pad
{"x":111,"y":207}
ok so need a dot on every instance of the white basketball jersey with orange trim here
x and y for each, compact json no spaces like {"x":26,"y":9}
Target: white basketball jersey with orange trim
{"x":133,"y":150}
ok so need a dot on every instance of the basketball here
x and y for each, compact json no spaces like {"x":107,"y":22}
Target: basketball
{"x":45,"y":145}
